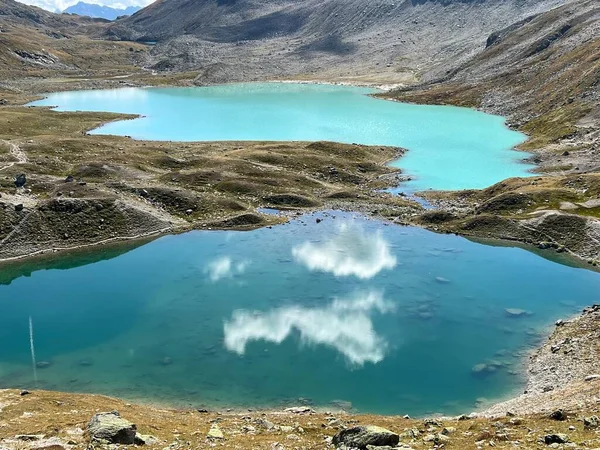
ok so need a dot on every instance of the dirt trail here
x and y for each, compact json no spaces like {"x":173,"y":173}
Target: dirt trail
{"x":15,"y":152}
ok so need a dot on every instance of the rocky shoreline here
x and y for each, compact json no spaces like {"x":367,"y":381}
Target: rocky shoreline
{"x":558,"y":410}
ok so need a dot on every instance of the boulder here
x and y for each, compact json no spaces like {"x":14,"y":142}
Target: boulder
{"x":215,"y":432}
{"x":361,"y":437}
{"x":299,"y":410}
{"x":20,"y":180}
{"x":559,"y":414}
{"x":110,"y":427}
{"x":591,"y":422}
{"x":560,"y":438}
{"x":145,"y":439}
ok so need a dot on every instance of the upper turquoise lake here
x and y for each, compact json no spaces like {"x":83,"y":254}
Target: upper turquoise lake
{"x":449,"y":147}
{"x":347,"y":311}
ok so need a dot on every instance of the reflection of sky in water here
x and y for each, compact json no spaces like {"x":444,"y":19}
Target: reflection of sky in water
{"x":344,"y":325}
{"x":300,"y":310}
{"x":352,"y":252}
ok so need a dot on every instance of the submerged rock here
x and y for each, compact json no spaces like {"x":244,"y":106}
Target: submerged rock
{"x":110,"y":427}
{"x":363,"y":436}
{"x":166,"y":361}
{"x":515,"y":312}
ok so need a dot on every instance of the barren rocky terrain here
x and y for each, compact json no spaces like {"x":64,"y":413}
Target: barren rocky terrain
{"x":386,"y":41}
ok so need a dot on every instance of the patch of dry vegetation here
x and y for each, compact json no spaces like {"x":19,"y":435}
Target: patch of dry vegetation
{"x":65,"y":416}
{"x":173,"y":186}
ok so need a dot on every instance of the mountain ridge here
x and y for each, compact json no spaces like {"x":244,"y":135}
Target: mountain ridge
{"x":100,"y":11}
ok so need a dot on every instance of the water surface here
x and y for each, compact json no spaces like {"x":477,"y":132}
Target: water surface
{"x":450,"y":147}
{"x":390,"y":319}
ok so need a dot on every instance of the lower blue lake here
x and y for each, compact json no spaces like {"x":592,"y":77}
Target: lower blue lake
{"x":347,"y":311}
{"x":449,"y":148}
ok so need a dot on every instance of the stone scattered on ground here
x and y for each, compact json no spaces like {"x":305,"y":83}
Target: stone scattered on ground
{"x":560,"y":438}
{"x":111,"y":428}
{"x":215,"y":432}
{"x":361,"y":437}
{"x":299,"y":410}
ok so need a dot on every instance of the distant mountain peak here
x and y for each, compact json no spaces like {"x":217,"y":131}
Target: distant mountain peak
{"x":104,"y":12}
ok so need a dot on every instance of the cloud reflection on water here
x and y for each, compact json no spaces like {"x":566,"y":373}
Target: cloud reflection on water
{"x":352,"y":252}
{"x":225,"y":267}
{"x":345,"y":325}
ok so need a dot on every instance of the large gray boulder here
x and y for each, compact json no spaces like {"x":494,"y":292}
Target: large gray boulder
{"x":361,"y":437}
{"x":110,"y":427}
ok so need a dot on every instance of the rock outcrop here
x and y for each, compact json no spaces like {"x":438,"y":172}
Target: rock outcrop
{"x":109,"y":427}
{"x":364,"y":436}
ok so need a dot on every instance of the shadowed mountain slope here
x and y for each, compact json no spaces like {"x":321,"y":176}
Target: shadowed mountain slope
{"x":394,"y":41}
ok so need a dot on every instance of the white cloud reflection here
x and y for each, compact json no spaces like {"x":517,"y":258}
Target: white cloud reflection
{"x":344,"y":324}
{"x":225,"y":267}
{"x":352,"y":252}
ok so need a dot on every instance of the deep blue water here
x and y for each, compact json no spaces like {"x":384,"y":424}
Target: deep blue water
{"x":389,"y":318}
{"x":449,"y":147}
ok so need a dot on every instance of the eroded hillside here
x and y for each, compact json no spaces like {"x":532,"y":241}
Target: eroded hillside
{"x":386,"y":41}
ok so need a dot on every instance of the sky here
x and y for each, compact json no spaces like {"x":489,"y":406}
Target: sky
{"x":60,"y":5}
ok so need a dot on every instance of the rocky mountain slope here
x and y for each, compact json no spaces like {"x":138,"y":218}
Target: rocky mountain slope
{"x":544,"y":74}
{"x":389,"y":41}
{"x":100,"y":11}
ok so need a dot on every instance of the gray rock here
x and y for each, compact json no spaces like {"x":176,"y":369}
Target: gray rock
{"x":299,"y":410}
{"x":145,"y":439}
{"x":556,"y":439}
{"x":110,"y":427}
{"x":592,"y":377}
{"x":20,"y":180}
{"x":559,"y":414}
{"x":360,"y":437}
{"x":591,"y":422}
{"x":215,"y":432}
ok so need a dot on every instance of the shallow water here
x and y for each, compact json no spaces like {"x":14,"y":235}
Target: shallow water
{"x":389,"y":318}
{"x":450,"y":148}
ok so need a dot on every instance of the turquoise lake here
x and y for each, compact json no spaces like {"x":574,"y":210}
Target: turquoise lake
{"x":390,"y":319}
{"x":449,"y":148}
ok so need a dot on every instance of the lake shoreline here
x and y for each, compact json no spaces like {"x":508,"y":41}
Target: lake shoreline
{"x":461,"y":211}
{"x":27,"y":412}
